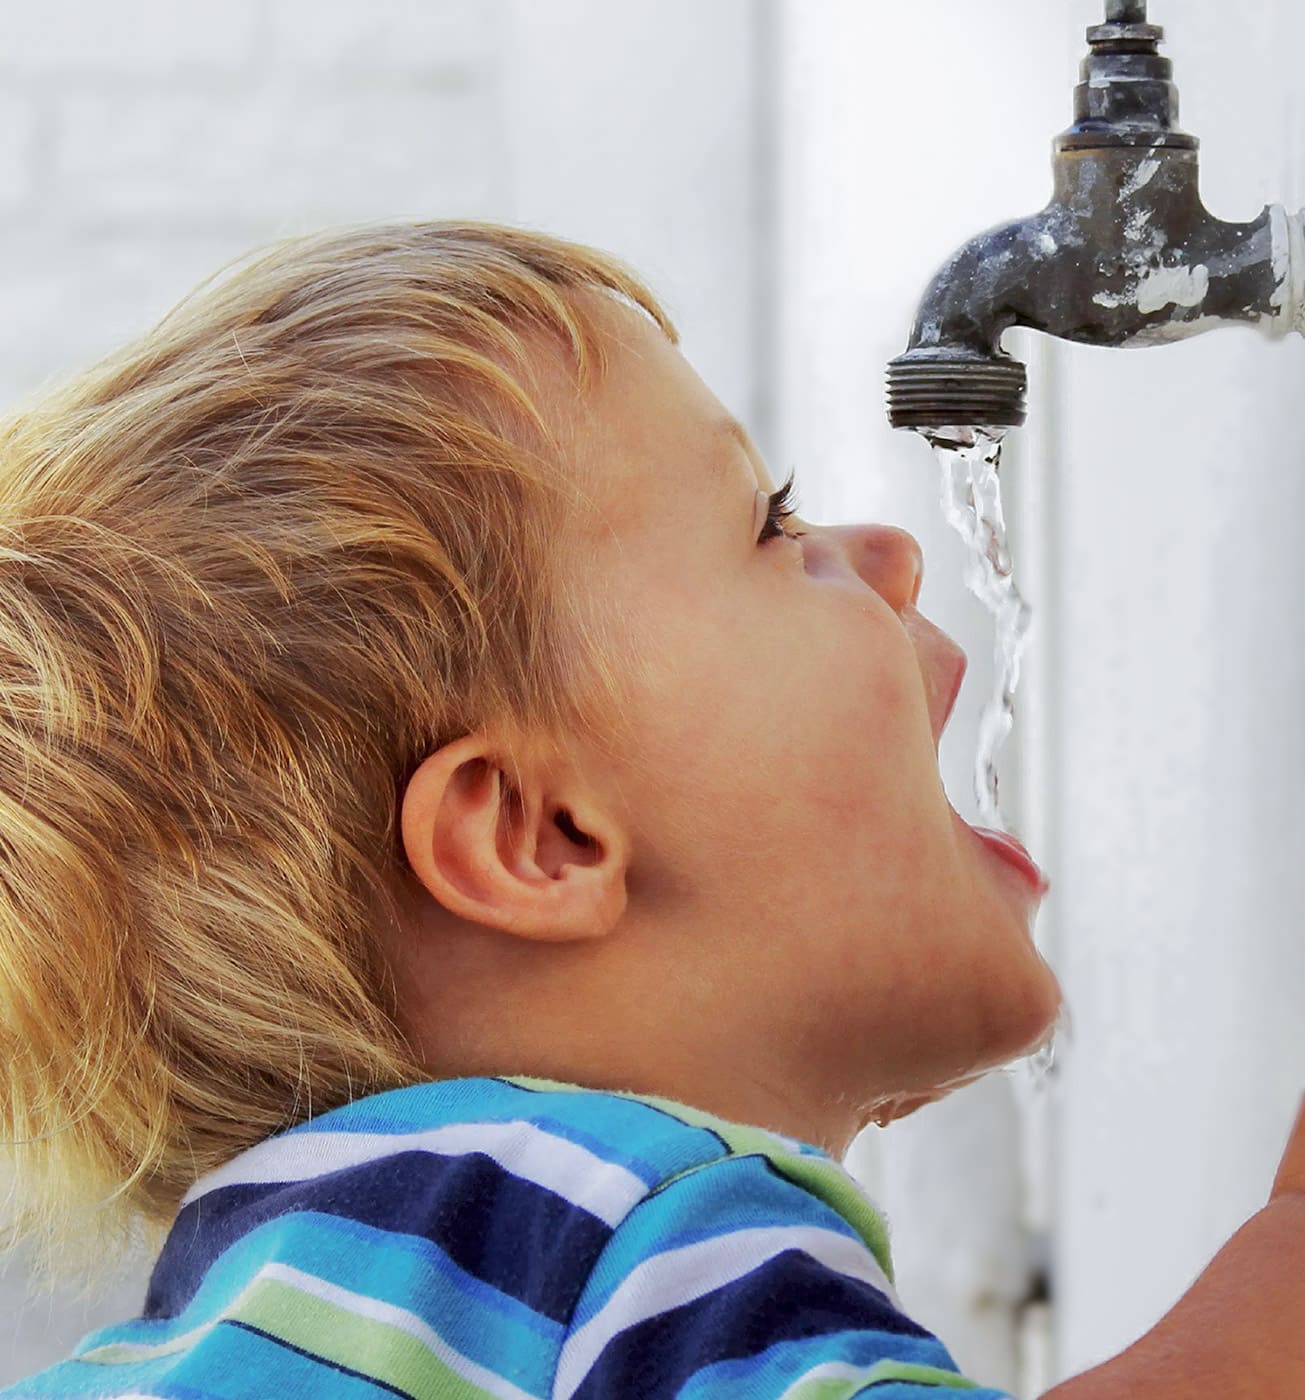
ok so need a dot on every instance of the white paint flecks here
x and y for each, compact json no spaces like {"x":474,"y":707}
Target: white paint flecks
{"x":1141,"y":177}
{"x":1047,"y":243}
{"x":1288,"y":299}
{"x":1296,"y":275}
{"x":1168,"y":332}
{"x":1173,"y":286}
{"x":1137,"y":222}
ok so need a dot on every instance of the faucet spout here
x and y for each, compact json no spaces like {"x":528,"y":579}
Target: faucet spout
{"x":1125,"y":254}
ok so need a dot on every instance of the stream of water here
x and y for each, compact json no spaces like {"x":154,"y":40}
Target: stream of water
{"x":971,"y":498}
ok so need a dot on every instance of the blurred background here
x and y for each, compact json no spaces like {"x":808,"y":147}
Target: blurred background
{"x":788,"y":174}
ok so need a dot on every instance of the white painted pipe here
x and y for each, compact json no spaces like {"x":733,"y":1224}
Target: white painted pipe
{"x":1289,"y":269}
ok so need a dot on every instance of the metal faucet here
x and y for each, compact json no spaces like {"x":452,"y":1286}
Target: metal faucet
{"x":1125,"y":254}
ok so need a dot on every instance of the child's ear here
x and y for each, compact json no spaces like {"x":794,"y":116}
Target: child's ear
{"x":495,"y":843}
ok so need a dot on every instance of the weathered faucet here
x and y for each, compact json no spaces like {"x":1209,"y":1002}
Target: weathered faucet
{"x":1125,"y":254}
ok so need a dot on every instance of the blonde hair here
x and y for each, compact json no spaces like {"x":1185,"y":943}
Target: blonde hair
{"x":253,"y":567}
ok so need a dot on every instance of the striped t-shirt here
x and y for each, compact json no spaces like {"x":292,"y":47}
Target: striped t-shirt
{"x":518,"y":1238}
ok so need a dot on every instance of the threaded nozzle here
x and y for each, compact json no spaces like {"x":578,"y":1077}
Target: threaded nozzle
{"x":927,"y":389}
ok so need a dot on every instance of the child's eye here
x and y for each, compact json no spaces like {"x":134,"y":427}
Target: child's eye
{"x":783,"y":503}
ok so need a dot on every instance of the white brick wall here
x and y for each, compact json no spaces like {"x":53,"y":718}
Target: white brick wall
{"x":272,"y":154}
{"x":387,"y":41}
{"x":18,"y":155}
{"x":144,"y":143}
{"x":125,"y":41}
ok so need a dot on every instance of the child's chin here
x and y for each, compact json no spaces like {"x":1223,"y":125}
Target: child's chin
{"x":1045,"y":1014}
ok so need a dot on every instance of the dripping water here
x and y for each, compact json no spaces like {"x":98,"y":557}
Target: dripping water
{"x":971,"y":498}
{"x":969,"y":458}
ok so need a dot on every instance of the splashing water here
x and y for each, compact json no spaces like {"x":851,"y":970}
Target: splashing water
{"x":971,"y":498}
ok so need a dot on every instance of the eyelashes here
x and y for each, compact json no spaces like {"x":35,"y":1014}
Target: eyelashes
{"x":783,"y":505}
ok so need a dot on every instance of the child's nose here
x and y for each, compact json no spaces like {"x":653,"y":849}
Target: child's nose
{"x":888,"y":558}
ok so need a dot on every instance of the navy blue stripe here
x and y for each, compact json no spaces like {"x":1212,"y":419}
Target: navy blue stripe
{"x":320,"y":1360}
{"x":520,"y":1238}
{"x":788,"y":1298}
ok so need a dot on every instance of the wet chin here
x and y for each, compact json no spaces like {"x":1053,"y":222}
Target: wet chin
{"x":1034,"y":1017}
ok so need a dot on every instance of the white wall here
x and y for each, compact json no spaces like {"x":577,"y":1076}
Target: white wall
{"x":1181,"y":767}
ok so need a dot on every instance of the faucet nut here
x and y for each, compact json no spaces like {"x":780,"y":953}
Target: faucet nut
{"x":1126,"y":95}
{"x":940,"y":388}
{"x":1132,"y":38}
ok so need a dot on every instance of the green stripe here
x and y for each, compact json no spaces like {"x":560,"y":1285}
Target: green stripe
{"x":822,"y":1177}
{"x":378,"y":1350}
{"x":833,"y":1388}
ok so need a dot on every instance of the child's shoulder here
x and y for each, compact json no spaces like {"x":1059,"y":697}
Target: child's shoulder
{"x":556,"y":1236}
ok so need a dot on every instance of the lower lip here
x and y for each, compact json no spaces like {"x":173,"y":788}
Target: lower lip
{"x":1014,"y":854}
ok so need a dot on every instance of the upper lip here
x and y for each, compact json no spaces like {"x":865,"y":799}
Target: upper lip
{"x":942,"y":713}
{"x":943,"y":664}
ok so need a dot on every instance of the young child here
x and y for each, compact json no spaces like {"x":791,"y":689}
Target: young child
{"x":472,"y":858}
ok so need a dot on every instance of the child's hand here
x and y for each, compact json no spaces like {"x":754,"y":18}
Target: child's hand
{"x":1291,"y":1170}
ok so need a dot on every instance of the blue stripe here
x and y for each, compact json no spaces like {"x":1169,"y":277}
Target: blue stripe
{"x":913,"y":1390}
{"x":478,"y":1321}
{"x":71,"y":1378}
{"x":516,"y":1236}
{"x":642,"y":1137}
{"x":772,"y":1371}
{"x":626,"y":1120}
{"x":788,"y":1297}
{"x":246,"y":1365}
{"x":235,"y":1362}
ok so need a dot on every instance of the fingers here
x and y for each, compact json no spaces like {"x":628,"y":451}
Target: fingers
{"x":1291,"y":1170}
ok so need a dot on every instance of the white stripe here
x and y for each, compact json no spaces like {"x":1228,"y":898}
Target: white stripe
{"x":121,"y":1353}
{"x":605,"y":1189}
{"x":678,"y":1276}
